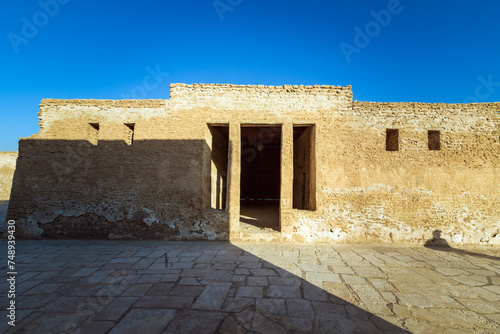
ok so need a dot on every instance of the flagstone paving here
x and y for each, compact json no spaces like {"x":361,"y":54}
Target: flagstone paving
{"x":67,"y":286}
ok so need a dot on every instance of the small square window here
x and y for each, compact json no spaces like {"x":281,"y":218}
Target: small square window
{"x":434,"y":140}
{"x":392,"y":140}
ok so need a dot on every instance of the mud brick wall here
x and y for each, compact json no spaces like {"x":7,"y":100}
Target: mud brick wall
{"x":68,"y":185}
{"x":140,"y":169}
{"x":370,"y":194}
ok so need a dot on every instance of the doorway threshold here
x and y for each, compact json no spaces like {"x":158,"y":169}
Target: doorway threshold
{"x":259,"y":216}
{"x":249,"y":228}
{"x":257,"y":237}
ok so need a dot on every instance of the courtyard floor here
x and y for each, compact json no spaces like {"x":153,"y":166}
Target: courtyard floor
{"x":147,"y":287}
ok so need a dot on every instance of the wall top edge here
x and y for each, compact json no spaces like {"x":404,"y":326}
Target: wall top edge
{"x":104,"y":103}
{"x":234,"y":86}
{"x":178,"y":91}
{"x":367,"y":104}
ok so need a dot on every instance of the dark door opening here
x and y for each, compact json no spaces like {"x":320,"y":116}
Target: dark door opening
{"x":260,"y":178}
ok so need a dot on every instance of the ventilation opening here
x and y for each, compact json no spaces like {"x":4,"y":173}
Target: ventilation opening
{"x":129,"y":127}
{"x":304,"y":192}
{"x":93,"y":133}
{"x":392,"y":140}
{"x":434,"y":138}
{"x":218,"y":142}
{"x":260,"y":178}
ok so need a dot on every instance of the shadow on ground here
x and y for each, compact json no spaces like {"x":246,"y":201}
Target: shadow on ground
{"x":440,"y":244}
{"x":168,"y":287}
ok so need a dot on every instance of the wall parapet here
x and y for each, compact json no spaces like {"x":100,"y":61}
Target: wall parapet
{"x":418,"y":106}
{"x":178,"y":90}
{"x":104,"y":103}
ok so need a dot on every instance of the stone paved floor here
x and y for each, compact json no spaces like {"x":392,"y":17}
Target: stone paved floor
{"x":215,"y":287}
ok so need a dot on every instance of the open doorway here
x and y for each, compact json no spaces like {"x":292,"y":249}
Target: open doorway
{"x":260,"y":178}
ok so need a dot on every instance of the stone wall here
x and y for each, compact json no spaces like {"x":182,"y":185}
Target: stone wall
{"x":7,"y":168}
{"x":370,"y":194}
{"x":143,"y":168}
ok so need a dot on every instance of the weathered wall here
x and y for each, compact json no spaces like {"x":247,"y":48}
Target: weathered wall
{"x":369,"y":194}
{"x":7,"y":168}
{"x":66,"y":186}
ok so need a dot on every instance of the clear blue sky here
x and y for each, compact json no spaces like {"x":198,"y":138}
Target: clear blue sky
{"x":423,"y":51}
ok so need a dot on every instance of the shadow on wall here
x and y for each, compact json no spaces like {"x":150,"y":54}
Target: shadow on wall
{"x":440,"y":244}
{"x":231,"y":290}
{"x":143,"y":189}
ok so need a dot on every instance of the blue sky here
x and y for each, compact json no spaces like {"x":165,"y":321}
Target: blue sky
{"x":420,"y":50}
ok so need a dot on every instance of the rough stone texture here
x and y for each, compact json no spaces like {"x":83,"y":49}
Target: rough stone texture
{"x":75,"y":181}
{"x":424,"y":290}
{"x":149,"y":321}
{"x":7,"y":168}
